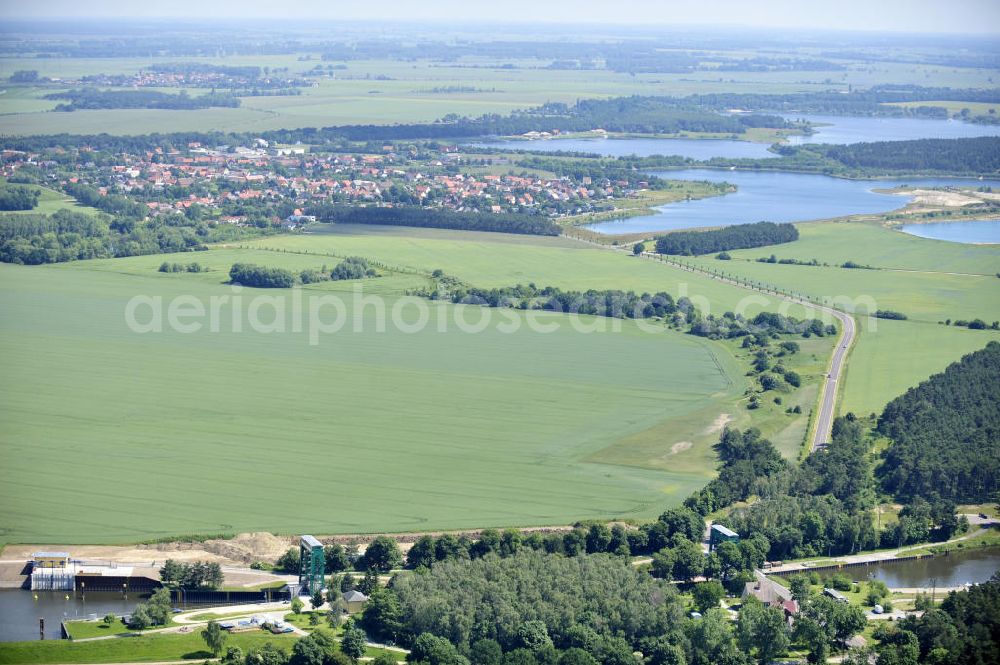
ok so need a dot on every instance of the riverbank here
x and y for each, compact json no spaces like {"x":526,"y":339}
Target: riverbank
{"x":982,"y":538}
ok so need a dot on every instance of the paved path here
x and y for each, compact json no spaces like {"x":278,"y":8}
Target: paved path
{"x":869,"y":557}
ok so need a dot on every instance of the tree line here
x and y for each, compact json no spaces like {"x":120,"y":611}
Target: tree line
{"x":738,"y":236}
{"x":261,"y":277}
{"x":66,"y":235}
{"x":680,"y":314}
{"x":194,"y":575}
{"x":635,"y":114}
{"x":438,"y":218}
{"x":89,"y":99}
{"x":879,"y":100}
{"x":964,"y":156}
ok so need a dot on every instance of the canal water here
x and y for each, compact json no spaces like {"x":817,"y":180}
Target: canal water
{"x":954,"y":569}
{"x":980,"y":232}
{"x":774,"y":197}
{"x":21,"y":609}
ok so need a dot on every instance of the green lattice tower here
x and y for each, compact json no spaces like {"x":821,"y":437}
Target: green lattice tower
{"x":312,"y":564}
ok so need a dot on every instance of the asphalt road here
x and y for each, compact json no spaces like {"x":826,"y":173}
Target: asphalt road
{"x":848,"y":330}
{"x":828,"y":401}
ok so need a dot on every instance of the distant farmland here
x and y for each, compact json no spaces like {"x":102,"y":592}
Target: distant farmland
{"x":113,"y":436}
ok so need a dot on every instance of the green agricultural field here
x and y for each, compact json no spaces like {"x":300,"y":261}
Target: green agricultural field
{"x":875,"y":245}
{"x":112,"y":435}
{"x":494,"y":260}
{"x":917,"y":278}
{"x":899,"y":355}
{"x":922,"y":296}
{"x":954,"y":108}
{"x":148,"y":648}
{"x":387,"y":91}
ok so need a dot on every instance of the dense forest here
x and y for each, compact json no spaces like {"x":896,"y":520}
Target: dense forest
{"x":436,"y":218}
{"x":13,"y":197}
{"x":738,"y":236}
{"x":968,"y":156}
{"x":531,"y":608}
{"x":495,"y":596}
{"x":820,"y":508}
{"x":973,"y":155}
{"x":139,"y":99}
{"x":69,"y":236}
{"x":879,"y":100}
{"x":946,"y":433}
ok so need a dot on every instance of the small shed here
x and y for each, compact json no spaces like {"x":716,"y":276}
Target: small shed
{"x":836,"y":595}
{"x":355,"y":601}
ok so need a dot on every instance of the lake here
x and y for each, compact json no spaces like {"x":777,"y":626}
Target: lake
{"x":986,"y":231}
{"x":772,"y":197}
{"x":954,"y":569}
{"x":692,"y":148}
{"x":845,"y":129}
{"x":834,"y":129}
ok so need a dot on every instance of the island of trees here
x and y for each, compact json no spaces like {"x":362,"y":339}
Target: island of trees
{"x":740,"y":236}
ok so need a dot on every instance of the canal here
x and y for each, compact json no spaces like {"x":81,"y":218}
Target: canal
{"x":954,"y":569}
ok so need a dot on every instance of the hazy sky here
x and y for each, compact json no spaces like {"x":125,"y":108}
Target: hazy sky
{"x":956,"y":16}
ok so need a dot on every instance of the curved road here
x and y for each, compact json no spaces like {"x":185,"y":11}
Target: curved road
{"x":848,"y":331}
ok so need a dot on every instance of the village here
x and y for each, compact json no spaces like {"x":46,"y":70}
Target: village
{"x":230,"y":184}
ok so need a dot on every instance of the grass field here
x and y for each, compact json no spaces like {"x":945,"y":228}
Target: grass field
{"x":875,"y":245}
{"x":51,"y":201}
{"x":898,"y":356}
{"x":916,"y":278}
{"x":389,"y":430}
{"x":528,"y":428}
{"x":386,"y":429}
{"x":144,"y":649}
{"x":494,"y":260}
{"x":386,"y":91}
{"x":81,"y":630}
